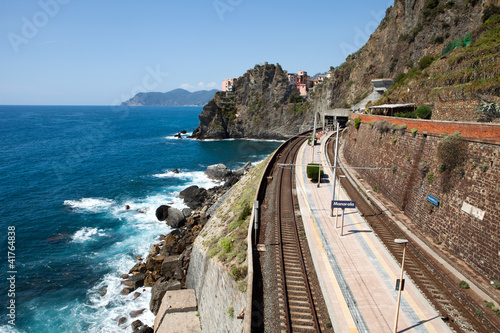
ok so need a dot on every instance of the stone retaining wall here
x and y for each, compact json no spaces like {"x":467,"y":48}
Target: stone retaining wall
{"x":219,"y":299}
{"x":467,"y":220}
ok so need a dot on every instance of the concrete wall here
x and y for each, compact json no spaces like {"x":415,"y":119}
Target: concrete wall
{"x":216,"y":292}
{"x":464,"y":195}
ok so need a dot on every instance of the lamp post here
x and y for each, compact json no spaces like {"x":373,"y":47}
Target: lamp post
{"x":313,"y":137}
{"x":400,"y":241}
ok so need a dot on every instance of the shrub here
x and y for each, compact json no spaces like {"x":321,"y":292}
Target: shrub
{"x":484,"y":166}
{"x":425,"y":62}
{"x":496,"y":284}
{"x":382,"y":126}
{"x":414,"y":131}
{"x":490,"y":11}
{"x":464,"y":285}
{"x":450,"y":4}
{"x":312,"y":172}
{"x":309,"y":139}
{"x":400,"y":77}
{"x":246,"y":212}
{"x":424,"y":112}
{"x":438,"y":40}
{"x":375,"y":188}
{"x":410,"y":114}
{"x":357,"y":122}
{"x":452,"y":150}
{"x":430,"y":178}
{"x":442,"y":168}
{"x":402,"y":129}
{"x":239,"y":273}
{"x":230,"y":311}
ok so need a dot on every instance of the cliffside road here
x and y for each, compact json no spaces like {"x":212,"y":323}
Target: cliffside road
{"x":356,"y":272}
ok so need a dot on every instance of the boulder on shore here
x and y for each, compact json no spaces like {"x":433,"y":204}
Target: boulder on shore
{"x":175,"y":218}
{"x":243,"y":170}
{"x":218,"y":171}
{"x":162,"y":212}
{"x":193,"y":196}
{"x":187,"y":212}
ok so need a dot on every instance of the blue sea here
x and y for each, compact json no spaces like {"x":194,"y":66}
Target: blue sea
{"x":66,"y":176}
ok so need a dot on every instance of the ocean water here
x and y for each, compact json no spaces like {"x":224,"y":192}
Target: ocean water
{"x":66,"y":175}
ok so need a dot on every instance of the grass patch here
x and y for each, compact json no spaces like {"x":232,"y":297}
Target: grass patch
{"x":464,"y":285}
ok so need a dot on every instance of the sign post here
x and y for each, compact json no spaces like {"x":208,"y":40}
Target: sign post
{"x":342,"y":204}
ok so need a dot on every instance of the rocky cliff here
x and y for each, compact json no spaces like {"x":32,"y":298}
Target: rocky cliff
{"x":415,"y":44}
{"x":262,"y":105}
{"x":411,"y":30}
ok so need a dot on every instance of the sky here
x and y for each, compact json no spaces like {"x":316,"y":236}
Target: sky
{"x":75,"y":52}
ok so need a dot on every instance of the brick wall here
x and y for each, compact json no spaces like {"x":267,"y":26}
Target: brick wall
{"x":481,"y":131}
{"x":475,"y":240}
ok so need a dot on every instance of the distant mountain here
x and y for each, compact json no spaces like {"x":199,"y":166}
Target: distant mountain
{"x":176,"y":97}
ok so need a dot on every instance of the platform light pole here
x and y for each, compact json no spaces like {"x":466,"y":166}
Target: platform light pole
{"x":313,"y":137}
{"x":335,"y":166}
{"x":400,"y":241}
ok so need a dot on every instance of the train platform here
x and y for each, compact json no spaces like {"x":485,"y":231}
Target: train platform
{"x":357,"y":273}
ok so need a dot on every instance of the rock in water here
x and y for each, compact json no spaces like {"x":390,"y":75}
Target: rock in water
{"x":136,"y":325}
{"x":218,"y":171}
{"x":175,"y":171}
{"x":183,"y":132}
{"x":193,"y":196}
{"x":162,"y":212}
{"x":175,"y":218}
{"x":137,"y":313}
{"x":145,"y":329}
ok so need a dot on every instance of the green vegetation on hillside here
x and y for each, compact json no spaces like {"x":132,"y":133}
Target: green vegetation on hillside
{"x":469,"y":68}
{"x":229,"y":243}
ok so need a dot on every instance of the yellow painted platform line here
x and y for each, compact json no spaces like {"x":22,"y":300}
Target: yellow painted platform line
{"x":338,"y":293}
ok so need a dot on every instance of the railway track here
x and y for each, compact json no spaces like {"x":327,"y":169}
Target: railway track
{"x":292,"y":286}
{"x":296,"y":299}
{"x":456,"y":308}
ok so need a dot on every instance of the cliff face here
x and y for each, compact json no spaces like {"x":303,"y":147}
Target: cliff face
{"x":262,"y":105}
{"x":410,"y":30}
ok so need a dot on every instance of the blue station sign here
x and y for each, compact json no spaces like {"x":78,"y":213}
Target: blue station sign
{"x":343,"y":204}
{"x":432,"y":200}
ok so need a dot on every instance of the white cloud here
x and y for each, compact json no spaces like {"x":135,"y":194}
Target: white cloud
{"x":186,"y":86}
{"x":199,"y":86}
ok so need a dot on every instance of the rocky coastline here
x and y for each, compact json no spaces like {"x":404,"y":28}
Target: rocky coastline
{"x":165,"y":268}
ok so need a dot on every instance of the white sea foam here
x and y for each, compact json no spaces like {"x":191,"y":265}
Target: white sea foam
{"x":184,"y":136}
{"x":89,"y":205}
{"x":86,"y":234}
{"x":193,"y":178}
